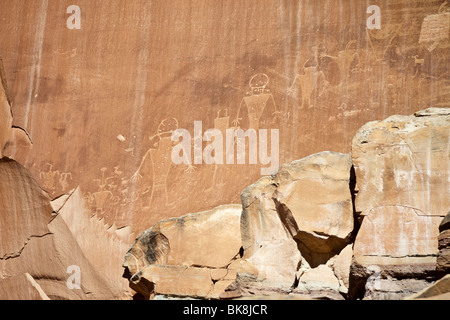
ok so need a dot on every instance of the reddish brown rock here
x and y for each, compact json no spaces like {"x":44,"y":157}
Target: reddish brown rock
{"x":24,"y":206}
{"x":38,"y":251}
{"x":93,"y":236}
{"x":99,"y":101}
{"x":94,"y":108}
{"x":5,"y":117}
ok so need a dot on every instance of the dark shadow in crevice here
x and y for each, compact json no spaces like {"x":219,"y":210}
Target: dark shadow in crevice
{"x":357,"y":218}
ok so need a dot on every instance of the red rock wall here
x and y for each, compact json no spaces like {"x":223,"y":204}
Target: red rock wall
{"x":92,"y":100}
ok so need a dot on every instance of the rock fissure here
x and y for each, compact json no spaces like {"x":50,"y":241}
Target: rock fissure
{"x":18,"y":253}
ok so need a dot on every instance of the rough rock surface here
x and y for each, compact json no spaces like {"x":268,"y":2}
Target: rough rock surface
{"x":86,"y":118}
{"x":403,"y":192}
{"x":293,"y":223}
{"x":440,"y":290}
{"x":187,"y":256}
{"x":37,"y":247}
{"x":99,"y":101}
{"x":21,"y":287}
{"x":308,"y":200}
{"x":403,"y":160}
{"x":92,"y":236}
{"x":443,"y":256}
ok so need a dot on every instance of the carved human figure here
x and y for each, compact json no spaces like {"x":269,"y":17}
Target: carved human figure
{"x":159,"y":157}
{"x":310,"y":76}
{"x":256,"y":100}
{"x":221,"y":123}
{"x":344,"y":59}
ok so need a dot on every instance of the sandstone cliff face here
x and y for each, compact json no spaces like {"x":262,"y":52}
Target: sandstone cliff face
{"x":86,"y":117}
{"x":98,"y":101}
{"x":37,"y":247}
{"x":311,"y":230}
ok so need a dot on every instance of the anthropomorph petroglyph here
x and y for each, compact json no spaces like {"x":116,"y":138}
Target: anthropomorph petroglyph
{"x":159,"y":158}
{"x":310,"y":76}
{"x":106,"y":186}
{"x":221,"y":123}
{"x":256,"y":101}
{"x":53,"y":177}
{"x":345,"y":59}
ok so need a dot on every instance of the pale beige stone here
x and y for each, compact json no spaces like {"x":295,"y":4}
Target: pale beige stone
{"x":218,"y":274}
{"x":260,"y":220}
{"x":341,"y":266}
{"x":319,"y":278}
{"x":397,"y":233}
{"x":404,"y":161}
{"x":211,"y":238}
{"x":308,"y":199}
{"x":276,"y":262}
{"x":316,"y":192}
{"x":178,"y":280}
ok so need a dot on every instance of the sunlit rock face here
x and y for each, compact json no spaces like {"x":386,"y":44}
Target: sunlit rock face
{"x":129,"y":113}
{"x":402,"y":184}
{"x":99,"y":101}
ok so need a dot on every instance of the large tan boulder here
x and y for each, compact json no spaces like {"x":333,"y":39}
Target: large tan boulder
{"x":403,"y":192}
{"x":316,"y":191}
{"x":210,"y":238}
{"x":403,"y":160}
{"x":186,"y":256}
{"x":397,"y":235}
{"x":181,"y":281}
{"x":308,"y":200}
{"x":304,"y":212}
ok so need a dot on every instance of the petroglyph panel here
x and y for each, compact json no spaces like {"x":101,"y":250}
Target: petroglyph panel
{"x":100,"y":103}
